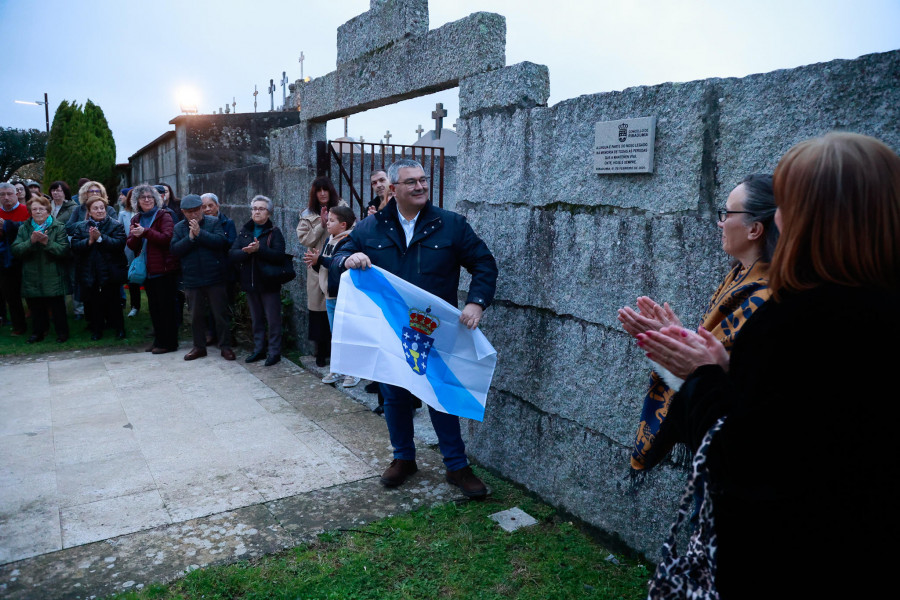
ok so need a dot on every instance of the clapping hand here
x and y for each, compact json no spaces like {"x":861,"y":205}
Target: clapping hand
{"x":311,"y":257}
{"x":93,"y":235}
{"x":39,"y":237}
{"x":137,"y":230}
{"x":323,"y":215}
{"x":251,"y":247}
{"x":650,"y":316}
{"x":195,"y":228}
{"x":682,"y":351}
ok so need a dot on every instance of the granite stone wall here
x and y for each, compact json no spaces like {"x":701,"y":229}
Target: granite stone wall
{"x":574,"y":246}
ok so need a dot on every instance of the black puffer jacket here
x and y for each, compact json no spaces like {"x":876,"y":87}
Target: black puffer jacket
{"x":204,"y":259}
{"x":102,"y":262}
{"x":271,"y":249}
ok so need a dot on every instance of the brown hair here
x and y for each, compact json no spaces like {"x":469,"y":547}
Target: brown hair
{"x":93,"y":200}
{"x":319,"y":184}
{"x":839,"y":197}
{"x":40,"y":200}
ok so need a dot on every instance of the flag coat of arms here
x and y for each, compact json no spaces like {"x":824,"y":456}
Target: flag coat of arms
{"x":389,"y":330}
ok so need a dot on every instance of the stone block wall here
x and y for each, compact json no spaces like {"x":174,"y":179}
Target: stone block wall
{"x":573,"y":246}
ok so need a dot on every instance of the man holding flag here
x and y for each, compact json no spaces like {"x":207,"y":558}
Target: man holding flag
{"x":425,"y":246}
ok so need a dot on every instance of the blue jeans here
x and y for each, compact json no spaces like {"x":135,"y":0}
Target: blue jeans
{"x":398,"y":412}
{"x":330,"y":303}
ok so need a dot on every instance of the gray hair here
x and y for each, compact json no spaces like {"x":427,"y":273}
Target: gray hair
{"x":140,"y":190}
{"x":393,"y":171}
{"x":5,"y":185}
{"x":211,"y":196}
{"x":269,"y":206}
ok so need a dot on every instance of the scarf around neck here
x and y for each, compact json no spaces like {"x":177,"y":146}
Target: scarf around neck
{"x":44,"y":225}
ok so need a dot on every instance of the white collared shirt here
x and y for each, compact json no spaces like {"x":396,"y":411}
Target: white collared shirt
{"x":409,"y":227}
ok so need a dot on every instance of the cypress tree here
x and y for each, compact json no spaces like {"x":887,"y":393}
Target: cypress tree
{"x":80,"y":145}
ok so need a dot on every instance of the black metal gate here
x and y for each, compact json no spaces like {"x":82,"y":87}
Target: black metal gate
{"x":351,"y":164}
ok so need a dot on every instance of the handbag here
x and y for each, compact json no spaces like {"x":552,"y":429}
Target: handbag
{"x":692,"y":575}
{"x":137,"y":270}
{"x":277,"y":273}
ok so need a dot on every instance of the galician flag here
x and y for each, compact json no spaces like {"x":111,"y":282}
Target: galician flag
{"x":389,"y":330}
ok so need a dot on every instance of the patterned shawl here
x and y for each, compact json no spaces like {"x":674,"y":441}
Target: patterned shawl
{"x":738,"y":296}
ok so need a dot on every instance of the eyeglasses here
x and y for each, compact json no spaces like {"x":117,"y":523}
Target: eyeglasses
{"x":94,"y":192}
{"x":423,"y":181}
{"x":723,"y":213}
{"x":258,"y":208}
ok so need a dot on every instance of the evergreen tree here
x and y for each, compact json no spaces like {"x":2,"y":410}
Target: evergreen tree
{"x":81,"y":145}
{"x":20,"y":147}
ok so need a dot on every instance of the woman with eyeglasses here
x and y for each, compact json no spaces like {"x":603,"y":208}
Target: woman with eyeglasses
{"x":749,"y":235}
{"x":312,"y":233}
{"x":151,"y":232}
{"x":259,"y":241}
{"x":42,"y":247}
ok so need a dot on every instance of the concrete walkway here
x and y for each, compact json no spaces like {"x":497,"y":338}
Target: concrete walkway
{"x":118,"y":469}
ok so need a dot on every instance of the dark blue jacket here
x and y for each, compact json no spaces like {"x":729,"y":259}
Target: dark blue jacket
{"x":204,"y":259}
{"x":442,"y":242}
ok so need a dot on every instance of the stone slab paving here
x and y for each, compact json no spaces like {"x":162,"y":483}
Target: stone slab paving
{"x":118,"y":469}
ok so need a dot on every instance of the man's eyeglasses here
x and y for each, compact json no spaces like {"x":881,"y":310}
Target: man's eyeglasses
{"x":723,"y":213}
{"x":423,"y":181}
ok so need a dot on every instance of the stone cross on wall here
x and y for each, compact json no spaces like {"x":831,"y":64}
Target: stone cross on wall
{"x":284,"y":82}
{"x":255,"y":92}
{"x":272,"y":93}
{"x":438,"y":115}
{"x":227,"y":109}
{"x":233,"y":105}
{"x":301,"y":64}
{"x":420,"y":131}
{"x":387,"y":137}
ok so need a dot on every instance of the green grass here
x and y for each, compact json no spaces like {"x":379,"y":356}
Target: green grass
{"x":450,"y":551}
{"x":136,"y":329}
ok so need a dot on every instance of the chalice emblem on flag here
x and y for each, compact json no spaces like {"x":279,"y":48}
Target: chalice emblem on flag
{"x":417,"y":340}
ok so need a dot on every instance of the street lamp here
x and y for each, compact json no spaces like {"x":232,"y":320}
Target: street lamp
{"x":38,"y":103}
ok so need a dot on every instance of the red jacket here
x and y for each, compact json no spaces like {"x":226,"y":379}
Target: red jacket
{"x":159,"y":235}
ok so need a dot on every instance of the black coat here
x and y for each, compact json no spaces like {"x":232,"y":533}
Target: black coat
{"x":271,"y":250}
{"x":802,"y":471}
{"x":442,"y":242}
{"x":204,"y":259}
{"x":102,"y":262}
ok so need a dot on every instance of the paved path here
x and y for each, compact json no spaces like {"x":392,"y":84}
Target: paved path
{"x":118,"y":469}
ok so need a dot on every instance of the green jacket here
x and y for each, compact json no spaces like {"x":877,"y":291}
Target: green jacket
{"x":44,"y":268}
{"x":65,"y":211}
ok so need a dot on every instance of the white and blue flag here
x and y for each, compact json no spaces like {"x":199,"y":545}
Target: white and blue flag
{"x":386,"y":329}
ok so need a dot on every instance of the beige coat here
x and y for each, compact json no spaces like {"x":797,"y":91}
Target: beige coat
{"x":312,"y":234}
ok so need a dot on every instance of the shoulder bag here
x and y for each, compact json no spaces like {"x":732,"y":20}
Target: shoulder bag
{"x":280,"y":272}
{"x":692,"y":575}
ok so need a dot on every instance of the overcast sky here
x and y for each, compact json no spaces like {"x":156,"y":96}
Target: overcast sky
{"x":133,"y":58}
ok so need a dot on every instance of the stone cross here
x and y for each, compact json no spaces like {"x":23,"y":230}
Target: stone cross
{"x":272,"y":93}
{"x":345,"y":125}
{"x":233,"y":105}
{"x":387,"y":137}
{"x":284,"y":82}
{"x":438,"y":115}
{"x":420,"y":131}
{"x":255,"y":92}
{"x":227,"y":109}
{"x":301,"y":64}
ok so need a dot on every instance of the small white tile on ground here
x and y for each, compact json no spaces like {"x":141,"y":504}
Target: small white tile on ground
{"x":513,"y":518}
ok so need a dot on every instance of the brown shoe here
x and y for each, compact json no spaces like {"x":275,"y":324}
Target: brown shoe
{"x":228,"y":354}
{"x":150,"y":348}
{"x":467,"y":482}
{"x":195,"y":353}
{"x":162,"y":350}
{"x":398,"y":472}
